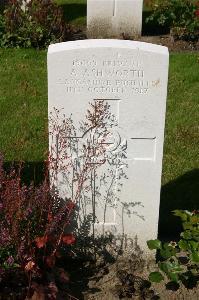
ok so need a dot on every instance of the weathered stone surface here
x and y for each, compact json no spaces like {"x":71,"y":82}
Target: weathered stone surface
{"x":132,"y":78}
{"x":114,"y":18}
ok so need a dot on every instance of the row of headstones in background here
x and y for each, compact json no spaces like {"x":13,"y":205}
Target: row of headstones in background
{"x":114,"y":18}
{"x":132,"y":78}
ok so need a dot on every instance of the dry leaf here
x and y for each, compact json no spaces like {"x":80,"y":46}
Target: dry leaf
{"x":29,"y":266}
{"x":41,"y":241}
{"x":68,"y":239}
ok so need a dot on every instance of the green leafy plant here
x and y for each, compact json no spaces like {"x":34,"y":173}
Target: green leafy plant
{"x":181,"y":16}
{"x":179,"y":260}
{"x":36,"y":24}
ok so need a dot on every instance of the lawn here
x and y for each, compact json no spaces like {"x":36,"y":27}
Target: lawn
{"x":182,"y":131}
{"x":74,"y":11}
{"x":23,"y":110}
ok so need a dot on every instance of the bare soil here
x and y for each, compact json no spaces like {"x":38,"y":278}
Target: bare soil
{"x":128,"y":279}
{"x":164,"y":40}
{"x":172,"y":44}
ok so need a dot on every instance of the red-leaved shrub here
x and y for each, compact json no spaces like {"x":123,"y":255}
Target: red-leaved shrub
{"x":33,"y":221}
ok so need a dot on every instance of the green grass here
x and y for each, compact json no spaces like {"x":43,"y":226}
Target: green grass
{"x":74,"y":11}
{"x":180,"y":178}
{"x":23,"y":104}
{"x":182,"y":131}
{"x":23,"y":110}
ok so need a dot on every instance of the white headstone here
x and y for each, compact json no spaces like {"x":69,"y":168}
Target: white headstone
{"x":132,"y":78}
{"x":114,"y":18}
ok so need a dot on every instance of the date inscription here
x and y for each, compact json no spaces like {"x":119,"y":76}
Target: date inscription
{"x":107,"y":76}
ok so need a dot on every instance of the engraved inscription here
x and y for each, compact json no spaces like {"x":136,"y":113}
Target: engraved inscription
{"x":115,"y":76}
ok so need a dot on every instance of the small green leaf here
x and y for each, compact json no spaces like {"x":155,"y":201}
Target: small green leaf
{"x":156,"y":277}
{"x":154,"y":244}
{"x":187,"y":225}
{"x":186,"y":235}
{"x":195,"y":257}
{"x":183,"y":214}
{"x":173,"y":276}
{"x":166,"y":253}
{"x":164,"y":266}
{"x":195,"y":219}
{"x":195,"y":234}
{"x":193,"y":245}
{"x":183,"y":245}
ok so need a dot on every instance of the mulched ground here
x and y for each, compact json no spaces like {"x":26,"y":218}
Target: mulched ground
{"x":173,"y":45}
{"x":126,"y":278}
{"x":164,"y":40}
{"x":122,"y":281}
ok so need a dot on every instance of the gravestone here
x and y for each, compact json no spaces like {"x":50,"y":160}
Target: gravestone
{"x":131,"y":78}
{"x":114,"y":18}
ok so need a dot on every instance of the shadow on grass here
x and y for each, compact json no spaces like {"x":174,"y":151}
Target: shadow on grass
{"x":152,"y":28}
{"x":31,"y":171}
{"x":181,"y":193}
{"x":74,"y":11}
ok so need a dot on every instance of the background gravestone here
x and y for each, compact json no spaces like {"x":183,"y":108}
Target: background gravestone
{"x":132,"y":78}
{"x":114,"y":18}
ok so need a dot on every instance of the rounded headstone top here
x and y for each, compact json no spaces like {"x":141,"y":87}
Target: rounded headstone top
{"x":107,"y":43}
